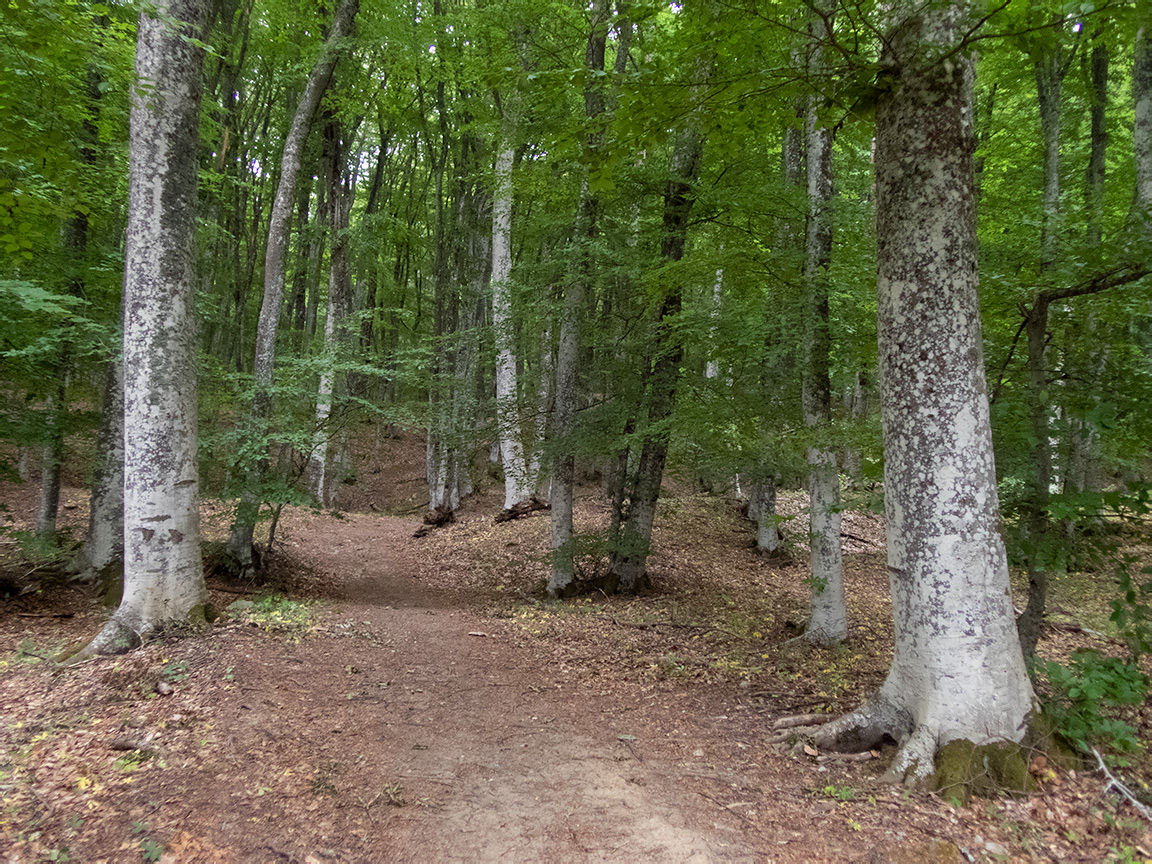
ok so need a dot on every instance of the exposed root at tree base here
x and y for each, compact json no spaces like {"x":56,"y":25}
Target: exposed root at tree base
{"x":114,"y":638}
{"x":957,"y":769}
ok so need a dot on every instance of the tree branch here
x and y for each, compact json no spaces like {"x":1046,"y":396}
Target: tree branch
{"x":1007,"y":360}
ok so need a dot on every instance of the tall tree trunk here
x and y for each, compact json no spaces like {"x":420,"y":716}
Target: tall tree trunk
{"x":828,"y":619}
{"x":105,"y":544}
{"x":279,"y":226}
{"x":52,"y":452}
{"x":75,"y":237}
{"x":163,"y":575}
{"x":573,"y":309}
{"x":1049,"y":87}
{"x":762,"y":503}
{"x":629,"y":564}
{"x":464,"y":259}
{"x":1098,"y":144}
{"x":1036,"y":512}
{"x":957,"y":670}
{"x":1049,"y":90}
{"x":518,"y":485}
{"x":1085,"y":356}
{"x":339,"y":307}
{"x":1142,"y":131}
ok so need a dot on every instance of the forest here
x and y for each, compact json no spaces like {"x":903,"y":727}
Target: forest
{"x":758,"y":389}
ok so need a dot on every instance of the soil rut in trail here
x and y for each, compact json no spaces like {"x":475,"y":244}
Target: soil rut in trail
{"x":505,"y":760}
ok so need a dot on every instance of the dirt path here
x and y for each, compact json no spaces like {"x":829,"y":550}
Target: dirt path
{"x":501,"y":760}
{"x":418,"y":722}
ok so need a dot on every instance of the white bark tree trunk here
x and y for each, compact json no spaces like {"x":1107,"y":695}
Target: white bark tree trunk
{"x":324,"y":455}
{"x":712,"y":367}
{"x":828,"y":617}
{"x":105,"y":543}
{"x":762,"y":507}
{"x":518,"y":487}
{"x":279,"y":226}
{"x":957,"y":671}
{"x":163,"y":575}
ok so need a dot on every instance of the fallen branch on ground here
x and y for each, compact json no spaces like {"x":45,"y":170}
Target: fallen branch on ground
{"x":523,"y":508}
{"x":1114,"y":783}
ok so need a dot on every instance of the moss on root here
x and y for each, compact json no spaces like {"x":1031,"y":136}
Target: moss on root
{"x":964,"y":769}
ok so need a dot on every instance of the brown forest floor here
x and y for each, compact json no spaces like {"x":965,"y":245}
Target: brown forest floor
{"x":415,"y":700}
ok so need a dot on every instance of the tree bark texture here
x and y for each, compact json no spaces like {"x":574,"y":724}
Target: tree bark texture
{"x":1049,"y":90}
{"x":105,"y":543}
{"x":828,"y":618}
{"x":573,"y":309}
{"x":762,"y":500}
{"x":52,"y":453}
{"x":762,"y":504}
{"x":276,"y":253}
{"x":1098,"y":144}
{"x":331,"y":385}
{"x":464,"y":261}
{"x":1142,"y":128}
{"x":518,"y":486}
{"x":163,"y":575}
{"x":629,"y":562}
{"x":957,"y":670}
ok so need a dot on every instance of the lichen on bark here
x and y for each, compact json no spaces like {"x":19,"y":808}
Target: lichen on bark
{"x":163,"y":574}
{"x":957,"y":671}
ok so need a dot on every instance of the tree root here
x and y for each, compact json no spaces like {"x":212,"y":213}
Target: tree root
{"x":915,"y":760}
{"x":114,"y":638}
{"x":794,"y":720}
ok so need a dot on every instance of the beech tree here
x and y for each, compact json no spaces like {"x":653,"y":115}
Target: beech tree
{"x":957,"y":671}
{"x":163,"y":574}
{"x":575,"y":293}
{"x":279,"y":226}
{"x":828,"y":622}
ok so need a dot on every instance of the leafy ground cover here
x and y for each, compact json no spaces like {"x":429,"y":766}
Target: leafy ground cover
{"x":416,"y":699}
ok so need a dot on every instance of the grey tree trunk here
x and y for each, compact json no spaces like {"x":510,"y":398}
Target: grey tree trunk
{"x":1049,"y":89}
{"x":518,"y":480}
{"x":163,"y":575}
{"x":51,"y":456}
{"x":463,"y":270}
{"x":332,"y":385}
{"x":279,"y":226}
{"x":568,"y":348}
{"x":628,"y":567}
{"x":629,"y":564}
{"x":1086,"y":354}
{"x":828,"y":618}
{"x":104,"y":547}
{"x":712,"y":367}
{"x":1142,"y":128}
{"x":762,"y":501}
{"x":762,"y":508}
{"x":957,"y":670}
